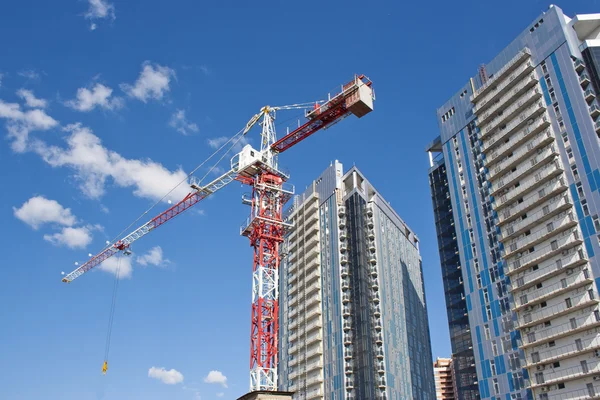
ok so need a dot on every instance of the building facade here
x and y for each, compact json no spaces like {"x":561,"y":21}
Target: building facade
{"x":443,"y":374}
{"x":520,"y":151}
{"x":353,"y":311}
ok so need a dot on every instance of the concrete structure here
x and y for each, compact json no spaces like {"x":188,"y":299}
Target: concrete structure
{"x":354,"y":318}
{"x":443,"y":374}
{"x":518,"y":160}
{"x":266,"y":395}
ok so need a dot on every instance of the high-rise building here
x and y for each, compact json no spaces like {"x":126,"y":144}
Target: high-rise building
{"x":443,"y":374}
{"x":353,"y":312}
{"x":518,"y":163}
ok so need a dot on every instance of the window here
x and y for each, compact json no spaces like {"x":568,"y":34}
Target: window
{"x":496,"y":386}
{"x":495,"y":348}
{"x":579,"y":187}
{"x":486,"y":296}
{"x":575,"y":173}
{"x":569,"y":152}
{"x":488,"y":311}
{"x":585,"y":207}
{"x":561,"y":385}
{"x":486,"y":329}
{"x":493,"y":366}
{"x":568,"y":302}
{"x":556,"y":364}
{"x":596,"y":222}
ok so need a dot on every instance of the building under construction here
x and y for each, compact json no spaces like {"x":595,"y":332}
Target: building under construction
{"x":353,"y":313}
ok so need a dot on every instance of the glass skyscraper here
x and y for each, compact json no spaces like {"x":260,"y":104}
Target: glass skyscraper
{"x":514,"y":177}
{"x":353,"y":312}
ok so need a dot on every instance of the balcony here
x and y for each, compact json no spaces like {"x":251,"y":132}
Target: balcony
{"x":343,"y":259}
{"x":379,"y":353}
{"x":519,"y":90}
{"x":314,"y":380}
{"x":555,"y":354}
{"x":374,"y":284}
{"x":381,"y":367}
{"x":375,"y":297}
{"x":579,"y":65}
{"x":567,"y":374}
{"x":381,"y":382}
{"x":491,"y":84}
{"x":346,"y":311}
{"x":589,"y":94}
{"x":547,"y":270}
{"x":314,"y":338}
{"x":313,"y":312}
{"x":544,"y":293}
{"x":503,"y":88}
{"x":377,"y":324}
{"x":348,"y":368}
{"x":341,"y":211}
{"x":370,"y":222}
{"x":347,"y":326}
{"x":314,"y":351}
{"x":348,"y":338}
{"x":541,"y":214}
{"x":373,"y":270}
{"x":371,"y":246}
{"x":546,"y":173}
{"x":594,"y":110}
{"x":343,"y":247}
{"x":543,"y":314}
{"x":377,"y":310}
{"x":348,"y":353}
{"x":597,"y":126}
{"x":556,"y":226}
{"x":525,"y":168}
{"x":371,"y":234}
{"x":312,"y":288}
{"x":578,"y":394}
{"x":372,"y":259}
{"x":496,"y":138}
{"x":567,"y":241}
{"x":345,"y":298}
{"x":342,"y":223}
{"x":552,"y":333}
{"x":513,"y":158}
{"x":345,"y":284}
{"x":349,"y":383}
{"x":343,"y":236}
{"x":379,"y":338}
{"x":369,"y":211}
{"x":313,"y":325}
{"x":584,"y":80}
{"x":516,"y":209}
{"x":512,"y":111}
{"x":344,"y":271}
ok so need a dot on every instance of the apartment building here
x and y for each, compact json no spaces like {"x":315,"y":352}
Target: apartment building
{"x":443,"y":374}
{"x":353,"y":312}
{"x":519,"y":157}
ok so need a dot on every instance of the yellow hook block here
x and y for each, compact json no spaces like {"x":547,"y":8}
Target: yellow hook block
{"x":104,"y":367}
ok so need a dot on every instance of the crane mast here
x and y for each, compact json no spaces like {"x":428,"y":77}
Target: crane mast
{"x":265,"y":227}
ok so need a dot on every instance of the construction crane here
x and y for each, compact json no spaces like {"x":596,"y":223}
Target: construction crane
{"x":265,"y":226}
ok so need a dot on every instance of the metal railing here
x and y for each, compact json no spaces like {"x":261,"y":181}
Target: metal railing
{"x":532,"y":200}
{"x":515,"y":60}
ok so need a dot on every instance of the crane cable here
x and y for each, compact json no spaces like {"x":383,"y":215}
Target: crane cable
{"x":111,"y":315}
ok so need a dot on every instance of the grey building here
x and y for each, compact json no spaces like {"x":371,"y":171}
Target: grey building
{"x":353,"y":311}
{"x":515,"y":180}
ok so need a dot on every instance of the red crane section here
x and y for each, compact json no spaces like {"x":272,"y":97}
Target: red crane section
{"x":356,"y":97}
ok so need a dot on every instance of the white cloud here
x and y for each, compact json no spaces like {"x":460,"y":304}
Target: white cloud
{"x":153,"y":257}
{"x":99,"y":95}
{"x":93,"y":164}
{"x":181,"y":124}
{"x":20,"y":123}
{"x":73,"y":238}
{"x":100,"y":9}
{"x":39,"y":210}
{"x":30,"y":99}
{"x":217,"y":142}
{"x":152,"y":83}
{"x":216,"y":377}
{"x":220,"y":394}
{"x":169,"y":377}
{"x":111,"y":266}
{"x":29,"y":74}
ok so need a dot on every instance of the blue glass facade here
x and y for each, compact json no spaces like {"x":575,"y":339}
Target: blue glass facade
{"x":555,"y":47}
{"x":375,"y":334}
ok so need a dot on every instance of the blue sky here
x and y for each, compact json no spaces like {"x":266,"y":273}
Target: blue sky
{"x":104,"y":104}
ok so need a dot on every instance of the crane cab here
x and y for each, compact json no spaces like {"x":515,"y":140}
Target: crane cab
{"x":249,"y":162}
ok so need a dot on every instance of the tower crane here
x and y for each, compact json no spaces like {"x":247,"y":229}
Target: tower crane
{"x":265,"y":227}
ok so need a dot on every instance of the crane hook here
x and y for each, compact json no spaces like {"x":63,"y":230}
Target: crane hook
{"x":104,"y":367}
